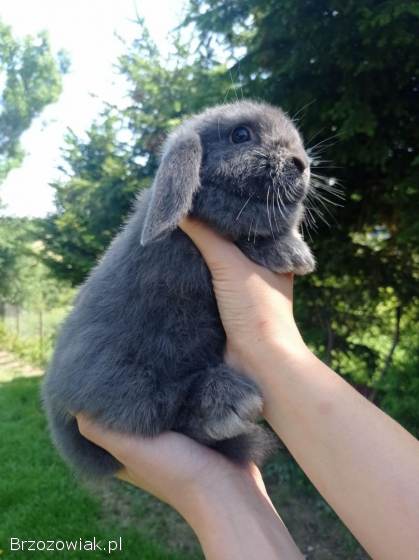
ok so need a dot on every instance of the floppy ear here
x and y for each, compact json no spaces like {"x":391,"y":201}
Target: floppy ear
{"x":173,"y":188}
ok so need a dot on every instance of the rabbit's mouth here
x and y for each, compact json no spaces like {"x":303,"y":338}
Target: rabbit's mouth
{"x":288,"y":190}
{"x":235,"y":207}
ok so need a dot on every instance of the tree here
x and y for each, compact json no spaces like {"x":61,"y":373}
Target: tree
{"x":30,"y":79}
{"x":325,"y":64}
{"x":12,"y":239}
{"x":348,"y":71}
{"x":16,"y":237}
{"x":119,"y":154}
{"x":91,"y":199}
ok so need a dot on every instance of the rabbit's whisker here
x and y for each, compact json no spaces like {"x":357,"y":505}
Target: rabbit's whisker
{"x":312,"y":217}
{"x":232,"y":85}
{"x":327,"y":200}
{"x":250,"y":229}
{"x":268,"y":212}
{"x":313,"y":136}
{"x":280,"y":203}
{"x":313,"y":148}
{"x":287,"y":193}
{"x":327,"y":209}
{"x":274,"y":198}
{"x":244,"y":206}
{"x":309,"y":220}
{"x":295,"y":115}
{"x":305,"y":227}
{"x":320,"y":214}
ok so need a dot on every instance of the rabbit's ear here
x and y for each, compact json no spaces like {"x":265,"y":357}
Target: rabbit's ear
{"x":176,"y":182}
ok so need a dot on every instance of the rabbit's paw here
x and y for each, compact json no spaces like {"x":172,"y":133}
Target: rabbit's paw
{"x":302,"y":260}
{"x":228,"y":404}
{"x":292,"y":255}
{"x":287,"y":254}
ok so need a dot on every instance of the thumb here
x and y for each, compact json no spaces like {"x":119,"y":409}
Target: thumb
{"x":114,"y":442}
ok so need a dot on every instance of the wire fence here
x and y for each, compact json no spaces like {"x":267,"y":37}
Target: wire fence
{"x":30,"y":332}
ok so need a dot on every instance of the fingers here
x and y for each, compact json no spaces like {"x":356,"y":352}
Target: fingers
{"x":125,"y":447}
{"x":90,"y":430}
{"x":112,"y":441}
{"x":215,"y":249}
{"x":220,"y":253}
{"x":123,"y":475}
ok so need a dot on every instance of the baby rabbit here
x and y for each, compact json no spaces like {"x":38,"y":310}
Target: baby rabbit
{"x":142,"y":350}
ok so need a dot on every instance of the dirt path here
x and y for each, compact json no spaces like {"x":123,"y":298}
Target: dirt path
{"x":12,"y":367}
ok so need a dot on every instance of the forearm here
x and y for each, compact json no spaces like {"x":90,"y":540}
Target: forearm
{"x":364,"y":464}
{"x":238,"y":521}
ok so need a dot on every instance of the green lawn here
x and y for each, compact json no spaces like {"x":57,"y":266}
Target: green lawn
{"x":40,"y":499}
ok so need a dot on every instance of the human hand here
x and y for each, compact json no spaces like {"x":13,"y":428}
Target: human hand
{"x":171,"y":466}
{"x":255,"y":304}
{"x":225,"y":504}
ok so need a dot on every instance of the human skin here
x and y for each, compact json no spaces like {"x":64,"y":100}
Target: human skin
{"x":226,"y":505}
{"x":364,"y":464}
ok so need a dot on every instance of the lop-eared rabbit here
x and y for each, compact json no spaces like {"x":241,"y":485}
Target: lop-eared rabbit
{"x":142,"y":350}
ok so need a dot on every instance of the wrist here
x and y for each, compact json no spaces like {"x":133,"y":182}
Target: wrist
{"x":219,"y":513}
{"x":237,"y":520}
{"x":268,"y":355}
{"x":213,"y":501}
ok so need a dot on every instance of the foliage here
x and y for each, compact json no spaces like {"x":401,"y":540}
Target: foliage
{"x":346,"y":71}
{"x":31,"y":334}
{"x":23,"y":279}
{"x":30,"y":79}
{"x":13,"y":240}
{"x":399,"y":389}
{"x":330,"y":64}
{"x":120,"y":152}
{"x":38,"y":299}
{"x":91,"y":201}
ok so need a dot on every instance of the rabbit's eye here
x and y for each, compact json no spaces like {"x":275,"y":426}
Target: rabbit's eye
{"x":240,"y":134}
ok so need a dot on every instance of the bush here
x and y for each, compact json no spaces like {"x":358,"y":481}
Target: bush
{"x":399,"y":391}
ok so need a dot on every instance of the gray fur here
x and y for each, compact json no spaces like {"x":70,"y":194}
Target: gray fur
{"x":142,"y":350}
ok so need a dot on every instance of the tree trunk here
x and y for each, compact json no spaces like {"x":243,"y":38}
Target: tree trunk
{"x":389,"y":358}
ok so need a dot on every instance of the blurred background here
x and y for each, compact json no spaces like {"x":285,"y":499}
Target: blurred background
{"x":88,"y":92}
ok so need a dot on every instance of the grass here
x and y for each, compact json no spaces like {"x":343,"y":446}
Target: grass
{"x":41,"y":500}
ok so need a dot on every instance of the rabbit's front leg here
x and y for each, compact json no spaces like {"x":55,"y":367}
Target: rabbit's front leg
{"x":221,"y":404}
{"x":288,"y":253}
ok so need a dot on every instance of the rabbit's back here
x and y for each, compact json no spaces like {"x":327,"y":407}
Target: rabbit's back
{"x":142,"y":307}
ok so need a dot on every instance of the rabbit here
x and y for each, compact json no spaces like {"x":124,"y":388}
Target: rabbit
{"x":142,"y":350}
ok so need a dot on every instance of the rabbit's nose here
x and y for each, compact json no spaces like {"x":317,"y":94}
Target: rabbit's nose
{"x":295,"y":158}
{"x":299,"y":164}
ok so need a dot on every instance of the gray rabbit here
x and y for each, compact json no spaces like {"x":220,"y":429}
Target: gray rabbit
{"x":142,"y":350}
